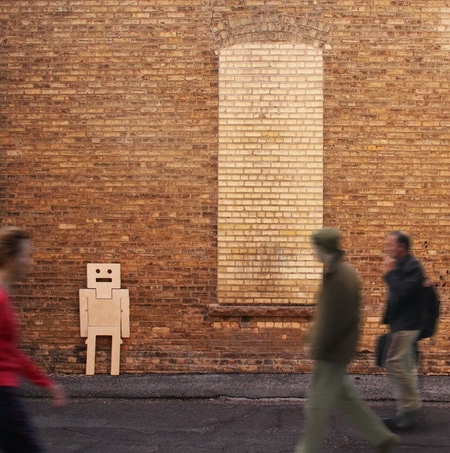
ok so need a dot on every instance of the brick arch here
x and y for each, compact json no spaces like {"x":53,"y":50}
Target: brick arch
{"x":269,"y":27}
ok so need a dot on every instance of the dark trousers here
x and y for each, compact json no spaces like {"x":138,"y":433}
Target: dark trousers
{"x":17,"y":434}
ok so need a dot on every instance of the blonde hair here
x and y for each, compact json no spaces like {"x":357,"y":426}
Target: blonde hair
{"x":11,"y":239}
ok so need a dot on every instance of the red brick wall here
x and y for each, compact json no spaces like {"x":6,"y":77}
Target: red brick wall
{"x":109,"y":144}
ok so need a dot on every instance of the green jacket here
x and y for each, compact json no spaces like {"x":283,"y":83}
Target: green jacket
{"x":335,"y":331}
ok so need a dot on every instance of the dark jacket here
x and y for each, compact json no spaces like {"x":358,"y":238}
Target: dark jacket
{"x":403,"y":310}
{"x":335,"y":331}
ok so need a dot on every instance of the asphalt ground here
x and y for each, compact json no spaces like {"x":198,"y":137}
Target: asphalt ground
{"x":236,"y":413}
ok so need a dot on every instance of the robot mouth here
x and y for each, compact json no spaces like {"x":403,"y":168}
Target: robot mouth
{"x":103,"y":280}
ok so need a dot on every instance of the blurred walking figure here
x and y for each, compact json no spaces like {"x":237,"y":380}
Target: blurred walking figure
{"x":17,"y":434}
{"x":403,"y":313}
{"x":333,"y":340}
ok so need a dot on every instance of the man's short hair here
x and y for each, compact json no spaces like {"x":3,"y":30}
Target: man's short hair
{"x":402,"y":238}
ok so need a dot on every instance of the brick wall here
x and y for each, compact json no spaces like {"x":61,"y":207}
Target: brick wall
{"x":111,"y":142}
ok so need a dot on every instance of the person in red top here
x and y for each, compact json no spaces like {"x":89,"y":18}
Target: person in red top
{"x":17,"y":434}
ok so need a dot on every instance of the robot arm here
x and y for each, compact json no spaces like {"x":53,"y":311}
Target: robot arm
{"x":125,"y":313}
{"x":84,"y":297}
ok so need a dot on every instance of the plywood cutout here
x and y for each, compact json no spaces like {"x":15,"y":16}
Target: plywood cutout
{"x":104,"y":311}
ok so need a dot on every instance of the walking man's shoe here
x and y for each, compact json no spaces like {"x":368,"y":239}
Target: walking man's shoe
{"x":387,"y":445}
{"x":401,"y":420}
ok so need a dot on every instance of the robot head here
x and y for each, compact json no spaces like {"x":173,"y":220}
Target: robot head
{"x":104,"y":277}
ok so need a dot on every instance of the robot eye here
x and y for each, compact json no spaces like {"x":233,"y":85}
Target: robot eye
{"x":109,"y":271}
{"x":98,"y":271}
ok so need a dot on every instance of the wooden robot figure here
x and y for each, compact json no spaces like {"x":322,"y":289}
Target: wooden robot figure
{"x":104,"y":311}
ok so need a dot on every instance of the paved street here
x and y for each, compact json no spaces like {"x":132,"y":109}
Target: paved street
{"x":204,"y":426}
{"x":213,"y":414}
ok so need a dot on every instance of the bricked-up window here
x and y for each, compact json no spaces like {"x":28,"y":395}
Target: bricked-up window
{"x":270,"y":172}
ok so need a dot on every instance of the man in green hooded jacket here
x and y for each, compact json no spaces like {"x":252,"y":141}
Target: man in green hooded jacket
{"x":333,"y":340}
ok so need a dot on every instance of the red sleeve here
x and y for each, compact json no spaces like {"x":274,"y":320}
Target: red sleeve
{"x":32,"y":372}
{"x":13,"y":362}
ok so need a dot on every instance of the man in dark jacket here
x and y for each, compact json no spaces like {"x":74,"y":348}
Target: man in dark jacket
{"x":333,"y":340}
{"x":404,"y":277}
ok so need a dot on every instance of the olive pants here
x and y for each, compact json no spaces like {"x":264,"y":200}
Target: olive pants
{"x":330,"y":388}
